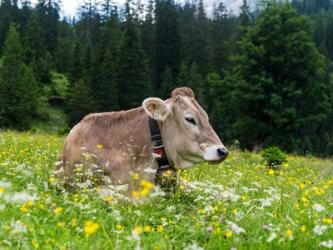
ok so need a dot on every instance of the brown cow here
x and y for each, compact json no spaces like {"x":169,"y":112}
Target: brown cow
{"x":118,"y":144}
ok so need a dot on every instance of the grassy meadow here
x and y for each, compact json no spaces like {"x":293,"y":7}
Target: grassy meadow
{"x":239,"y":204}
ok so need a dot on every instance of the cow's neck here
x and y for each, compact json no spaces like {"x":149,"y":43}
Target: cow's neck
{"x":166,"y":172}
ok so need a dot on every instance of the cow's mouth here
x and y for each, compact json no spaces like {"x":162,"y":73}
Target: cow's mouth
{"x":214,"y":162}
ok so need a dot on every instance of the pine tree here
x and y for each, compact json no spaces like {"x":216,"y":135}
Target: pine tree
{"x":183,"y":76}
{"x":187,"y":29}
{"x":6,"y":18}
{"x":35,"y":49}
{"x":148,"y":33}
{"x":167,"y":41}
{"x":76,"y":69}
{"x":79,"y":102}
{"x":329,"y":34}
{"x":48,"y":11}
{"x":195,"y":80}
{"x":191,"y":78}
{"x":200,"y":41}
{"x":278,"y":88}
{"x":105,"y":89}
{"x":133,"y":75}
{"x":18,"y":88}
{"x":63,"y":55}
{"x":245,"y":16}
{"x":223,"y":29}
{"x":167,"y":84}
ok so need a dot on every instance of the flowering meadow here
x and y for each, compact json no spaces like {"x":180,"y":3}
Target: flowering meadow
{"x":239,"y":204}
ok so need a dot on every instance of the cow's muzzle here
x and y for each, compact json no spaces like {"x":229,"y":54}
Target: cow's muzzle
{"x":223,"y":153}
{"x":216,"y":153}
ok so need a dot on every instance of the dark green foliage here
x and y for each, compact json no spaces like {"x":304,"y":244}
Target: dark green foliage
{"x":167,"y":40}
{"x":278,"y":88}
{"x":48,"y":11}
{"x":223,"y":28}
{"x":167,"y":84}
{"x":133,"y":77}
{"x":65,"y":44}
{"x":79,"y":102}
{"x":18,"y":88}
{"x":105,"y":84}
{"x":274,"y":157}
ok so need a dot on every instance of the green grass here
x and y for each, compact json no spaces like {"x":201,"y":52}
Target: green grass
{"x":262,"y":202}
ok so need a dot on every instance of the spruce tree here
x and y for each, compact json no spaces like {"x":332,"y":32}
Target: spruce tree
{"x":278,"y":87}
{"x":18,"y":88}
{"x":200,"y":42}
{"x":76,"y":67}
{"x":133,"y":75}
{"x":79,"y":102}
{"x":105,"y":89}
{"x":223,"y":29}
{"x":35,"y":49}
{"x":167,"y":84}
{"x":48,"y":11}
{"x":183,"y":76}
{"x":6,"y":18}
{"x":167,"y":40}
{"x":63,"y":55}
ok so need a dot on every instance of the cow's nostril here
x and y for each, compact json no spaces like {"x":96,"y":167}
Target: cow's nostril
{"x":222,"y":152}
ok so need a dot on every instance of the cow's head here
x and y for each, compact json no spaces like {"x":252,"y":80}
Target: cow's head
{"x":188,"y":136}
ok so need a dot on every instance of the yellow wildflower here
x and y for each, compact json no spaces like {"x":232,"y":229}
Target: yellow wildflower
{"x":75,"y":197}
{"x":285,"y":165}
{"x":35,"y":244}
{"x":271,"y":172}
{"x":147,"y":228}
{"x":25,"y":207}
{"x":2,"y":190}
{"x":328,"y":221}
{"x":99,"y":146}
{"x":301,"y":185}
{"x":58,"y":210}
{"x":303,"y":229}
{"x":146,"y":184}
{"x":119,"y":227}
{"x":228,"y":234}
{"x":90,"y":227}
{"x":135,"y":176}
{"x":135,"y":195}
{"x":160,"y":228}
{"x":138,"y":229}
{"x":330,"y":182}
{"x":108,"y":198}
{"x":304,"y":199}
{"x":289,"y":233}
{"x":52,"y":180}
{"x":144,"y":192}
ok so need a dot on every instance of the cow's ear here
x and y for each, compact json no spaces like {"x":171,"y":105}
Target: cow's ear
{"x":156,"y":108}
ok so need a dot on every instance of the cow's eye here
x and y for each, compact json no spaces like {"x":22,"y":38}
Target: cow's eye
{"x":190,"y":120}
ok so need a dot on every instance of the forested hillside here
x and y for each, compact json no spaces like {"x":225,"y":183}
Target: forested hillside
{"x":264,"y":76}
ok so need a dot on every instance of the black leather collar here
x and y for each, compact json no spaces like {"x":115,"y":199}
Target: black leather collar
{"x":158,"y":147}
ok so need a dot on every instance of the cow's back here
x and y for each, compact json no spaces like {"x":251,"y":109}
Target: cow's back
{"x":112,"y":141}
